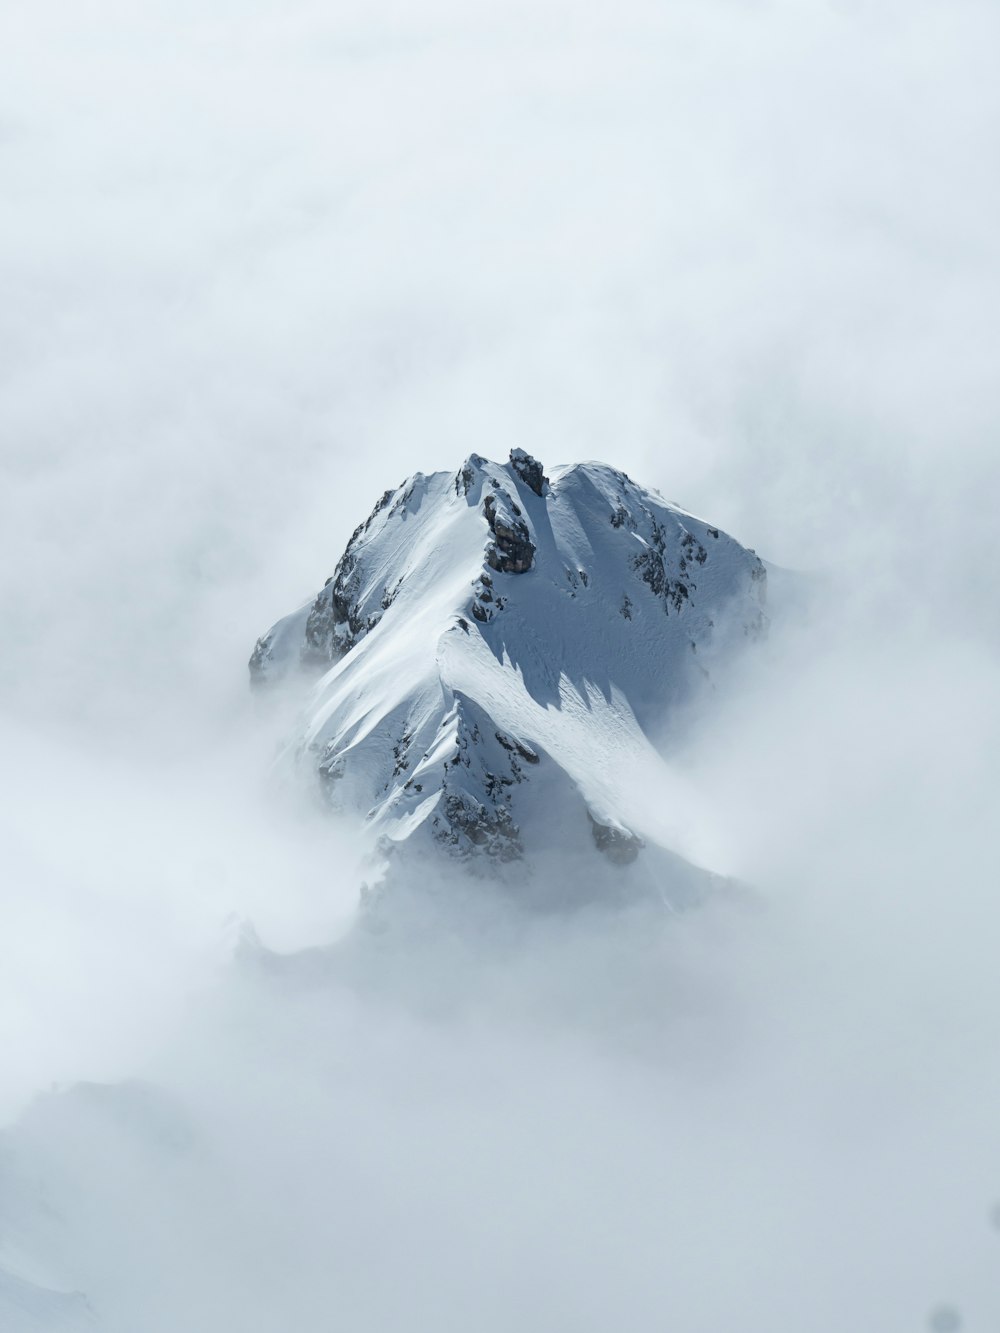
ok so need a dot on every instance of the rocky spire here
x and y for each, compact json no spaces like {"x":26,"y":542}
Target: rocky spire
{"x":529,"y":470}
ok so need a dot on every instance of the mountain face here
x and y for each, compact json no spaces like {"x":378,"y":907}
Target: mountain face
{"x":493,"y":660}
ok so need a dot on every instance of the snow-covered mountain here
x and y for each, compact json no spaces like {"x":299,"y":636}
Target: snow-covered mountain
{"x":499,"y":653}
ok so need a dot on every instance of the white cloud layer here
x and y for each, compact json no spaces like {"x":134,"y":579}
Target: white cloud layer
{"x":259,"y":262}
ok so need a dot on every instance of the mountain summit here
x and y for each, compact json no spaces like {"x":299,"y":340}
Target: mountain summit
{"x":497,"y":652}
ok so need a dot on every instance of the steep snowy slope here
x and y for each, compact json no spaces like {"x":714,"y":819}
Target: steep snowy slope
{"x":496,"y":651}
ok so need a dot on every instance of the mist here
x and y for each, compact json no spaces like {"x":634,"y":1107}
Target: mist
{"x":260,"y":263}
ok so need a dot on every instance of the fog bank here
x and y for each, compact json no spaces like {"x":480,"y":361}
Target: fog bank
{"x":260,"y":264}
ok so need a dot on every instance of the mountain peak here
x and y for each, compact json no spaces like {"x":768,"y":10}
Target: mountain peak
{"x":497,"y":649}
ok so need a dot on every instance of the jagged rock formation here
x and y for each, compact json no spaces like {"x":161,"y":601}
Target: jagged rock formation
{"x":529,"y":470}
{"x":512,"y":550}
{"x":498,"y":648}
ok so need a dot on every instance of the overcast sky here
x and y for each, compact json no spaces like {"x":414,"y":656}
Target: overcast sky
{"x":260,"y":261}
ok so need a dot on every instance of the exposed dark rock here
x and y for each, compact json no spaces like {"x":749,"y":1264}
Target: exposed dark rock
{"x":651,"y":563}
{"x":334,"y":624}
{"x":259,"y":659}
{"x":529,"y":470}
{"x":401,"y":753}
{"x":619,"y":845}
{"x":693,"y":549}
{"x":512,"y":551}
{"x":577,"y":578}
{"x":516,"y":747}
{"x":390,"y":594}
{"x":494,"y":785}
{"x":465,"y":825}
{"x":650,"y":567}
{"x":335,"y":621}
{"x":483,"y":603}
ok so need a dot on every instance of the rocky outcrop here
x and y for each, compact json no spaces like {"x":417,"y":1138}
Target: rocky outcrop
{"x":339,"y":617}
{"x":335,"y":623}
{"x":529,"y":470}
{"x":466,"y":826}
{"x":474,"y":812}
{"x":260,"y":660}
{"x":512,"y":550}
{"x":619,"y":845}
{"x":668,"y":566}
